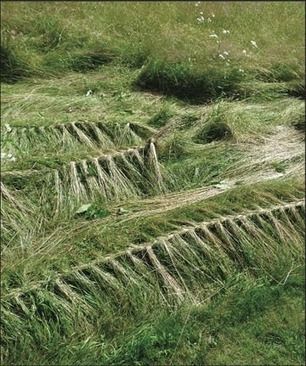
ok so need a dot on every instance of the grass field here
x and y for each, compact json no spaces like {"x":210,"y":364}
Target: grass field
{"x":152,"y":183}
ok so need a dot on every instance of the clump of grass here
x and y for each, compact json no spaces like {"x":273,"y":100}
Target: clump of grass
{"x":52,"y":33}
{"x":279,"y":72}
{"x":297,"y":89}
{"x":245,"y":121}
{"x":161,"y":118}
{"x":213,"y":131}
{"x":91,"y":60}
{"x":300,"y":124}
{"x":184,"y":81}
{"x":174,"y":148}
{"x":12,"y":68}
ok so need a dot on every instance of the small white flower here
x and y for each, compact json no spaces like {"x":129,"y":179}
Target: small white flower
{"x":89,"y":92}
{"x":213,"y":15}
{"x":8,"y":127}
{"x":241,"y":70}
{"x":244,"y":52}
{"x":225,"y":31}
{"x":221,"y":56}
{"x":200,"y":19}
{"x":201,"y":12}
{"x":225,"y":53}
{"x":254,"y":44}
{"x":197,"y":3}
{"x":7,"y":156}
{"x":208,"y":20}
{"x":213,"y":35}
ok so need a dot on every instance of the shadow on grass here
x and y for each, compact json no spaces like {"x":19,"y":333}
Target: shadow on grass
{"x":12,"y":68}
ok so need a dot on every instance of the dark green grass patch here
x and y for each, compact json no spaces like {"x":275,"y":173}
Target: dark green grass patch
{"x":186,"y":82}
{"x":12,"y":68}
{"x":297,"y":89}
{"x":214,"y":131}
{"x":91,"y":60}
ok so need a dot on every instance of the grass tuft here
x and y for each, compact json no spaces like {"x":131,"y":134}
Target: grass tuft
{"x":91,"y":60}
{"x":186,"y":82}
{"x":12,"y":68}
{"x":213,"y":131}
{"x":161,"y":118}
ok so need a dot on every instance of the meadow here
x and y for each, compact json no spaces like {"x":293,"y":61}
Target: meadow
{"x":152,"y":183}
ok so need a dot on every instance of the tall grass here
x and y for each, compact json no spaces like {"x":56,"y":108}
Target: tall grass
{"x":181,"y":54}
{"x":186,"y":246}
{"x":167,"y":272}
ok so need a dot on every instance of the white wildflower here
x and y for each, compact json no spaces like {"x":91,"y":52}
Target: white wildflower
{"x":225,"y":31}
{"x":200,"y":19}
{"x":89,"y":92}
{"x":225,"y":53}
{"x":197,"y":3}
{"x":201,"y":12}
{"x":213,"y":15}
{"x":254,"y":44}
{"x":208,"y":20}
{"x":241,"y":70}
{"x":221,"y":56}
{"x":7,"y":156}
{"x":244,"y":52}
{"x":213,"y":35}
{"x":8,"y":127}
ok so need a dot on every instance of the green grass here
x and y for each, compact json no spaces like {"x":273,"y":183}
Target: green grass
{"x":186,"y":249}
{"x":187,"y":82}
{"x":180,"y":55}
{"x":245,"y":320}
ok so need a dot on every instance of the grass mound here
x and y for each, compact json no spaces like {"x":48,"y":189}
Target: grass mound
{"x":300,"y":124}
{"x":186,"y":82}
{"x":214,"y":131}
{"x":12,"y":68}
{"x":297,"y":89}
{"x":91,"y":60}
